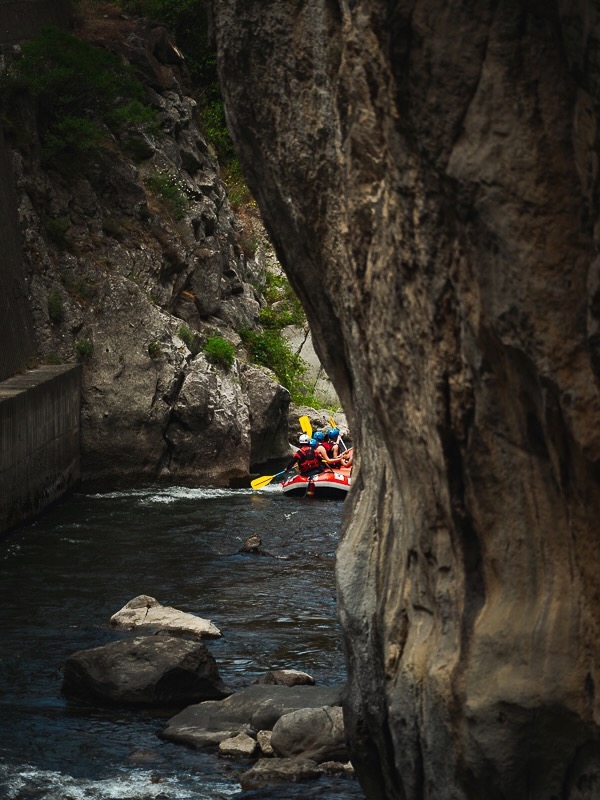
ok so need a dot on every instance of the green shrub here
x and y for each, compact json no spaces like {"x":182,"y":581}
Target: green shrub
{"x":270,"y":349}
{"x":79,"y":287}
{"x":171,"y":191}
{"x":220,"y":352}
{"x":214,"y":125}
{"x":56,"y":229}
{"x":283,"y":306}
{"x":154,"y":349}
{"x":189,"y":338}
{"x":84,"y":348}
{"x":56,"y":311}
{"x":81,"y":91}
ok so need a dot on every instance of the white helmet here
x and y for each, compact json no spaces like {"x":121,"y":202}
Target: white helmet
{"x":303,"y":439}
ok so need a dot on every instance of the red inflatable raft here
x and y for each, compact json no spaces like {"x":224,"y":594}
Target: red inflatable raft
{"x":333,"y":484}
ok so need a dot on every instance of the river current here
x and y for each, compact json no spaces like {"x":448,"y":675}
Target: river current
{"x":64,"y":575}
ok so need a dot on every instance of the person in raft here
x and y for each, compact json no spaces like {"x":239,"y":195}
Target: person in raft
{"x":333,"y":437}
{"x":306,"y":458}
{"x":324,"y":449}
{"x":347,"y":458}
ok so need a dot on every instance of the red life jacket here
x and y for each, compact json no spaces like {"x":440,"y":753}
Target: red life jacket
{"x":328,"y":447}
{"x":307,"y":459}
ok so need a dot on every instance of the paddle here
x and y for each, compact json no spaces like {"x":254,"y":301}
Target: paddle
{"x":306,"y":426}
{"x":265,"y":480}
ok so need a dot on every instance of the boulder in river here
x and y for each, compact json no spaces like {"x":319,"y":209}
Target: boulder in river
{"x":146,"y":611}
{"x":159,"y":670}
{"x":315,"y":733}
{"x":254,"y":708}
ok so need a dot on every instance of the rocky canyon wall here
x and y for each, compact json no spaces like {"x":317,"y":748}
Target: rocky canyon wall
{"x":428,"y":172}
{"x":134,"y":263}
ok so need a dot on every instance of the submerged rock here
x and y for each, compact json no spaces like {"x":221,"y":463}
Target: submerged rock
{"x":268,"y":771}
{"x":286,"y":677}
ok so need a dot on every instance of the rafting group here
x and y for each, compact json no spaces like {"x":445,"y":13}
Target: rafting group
{"x":320,"y":467}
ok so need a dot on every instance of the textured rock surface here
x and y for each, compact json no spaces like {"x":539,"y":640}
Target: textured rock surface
{"x":160,"y":670}
{"x":253,"y":708}
{"x":134,"y":288}
{"x":315,"y":733}
{"x":146,"y":612}
{"x":432,"y":167}
{"x":269,"y":771}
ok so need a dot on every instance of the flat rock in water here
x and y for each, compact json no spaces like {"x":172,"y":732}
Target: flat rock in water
{"x":158,"y":670}
{"x":144,"y":610}
{"x":254,"y":708}
{"x":278,"y":770}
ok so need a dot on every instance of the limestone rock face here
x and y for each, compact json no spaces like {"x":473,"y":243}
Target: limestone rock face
{"x":433,"y":168}
{"x":135,"y":285}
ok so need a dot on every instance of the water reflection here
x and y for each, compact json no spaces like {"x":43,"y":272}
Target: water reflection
{"x":62,"y":578}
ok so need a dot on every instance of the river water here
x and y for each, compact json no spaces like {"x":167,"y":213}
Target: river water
{"x":63,"y":576}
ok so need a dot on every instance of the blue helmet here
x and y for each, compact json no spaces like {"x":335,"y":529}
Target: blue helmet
{"x":333,"y":433}
{"x":312,"y":442}
{"x":319,"y":436}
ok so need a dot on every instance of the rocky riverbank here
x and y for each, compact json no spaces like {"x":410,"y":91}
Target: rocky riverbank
{"x":138,"y":267}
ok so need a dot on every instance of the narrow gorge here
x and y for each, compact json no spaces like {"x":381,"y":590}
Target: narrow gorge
{"x":428,"y":172}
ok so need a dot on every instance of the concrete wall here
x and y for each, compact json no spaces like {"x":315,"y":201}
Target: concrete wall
{"x":39,"y":440}
{"x":16,"y":337}
{"x":21,"y":19}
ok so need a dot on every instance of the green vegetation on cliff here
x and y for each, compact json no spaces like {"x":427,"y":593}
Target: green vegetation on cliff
{"x":269,"y":347}
{"x":82,"y":93}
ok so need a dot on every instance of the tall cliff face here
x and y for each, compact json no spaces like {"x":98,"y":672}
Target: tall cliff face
{"x":428,"y":172}
{"x":134,"y":263}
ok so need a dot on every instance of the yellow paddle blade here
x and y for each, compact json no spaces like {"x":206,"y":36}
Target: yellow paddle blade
{"x":332,"y":422}
{"x":265,"y":480}
{"x":305,"y":425}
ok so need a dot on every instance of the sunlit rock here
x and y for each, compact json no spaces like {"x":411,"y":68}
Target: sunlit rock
{"x":145,"y":611}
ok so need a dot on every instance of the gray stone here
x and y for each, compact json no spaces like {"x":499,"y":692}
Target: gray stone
{"x":286,"y":677}
{"x":314,"y":733}
{"x":264,"y":742}
{"x":269,"y":771}
{"x":159,"y":670}
{"x":240,"y":745}
{"x":268,"y":404}
{"x":252,"y":709}
{"x":122,"y":272}
{"x":145,"y":611}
